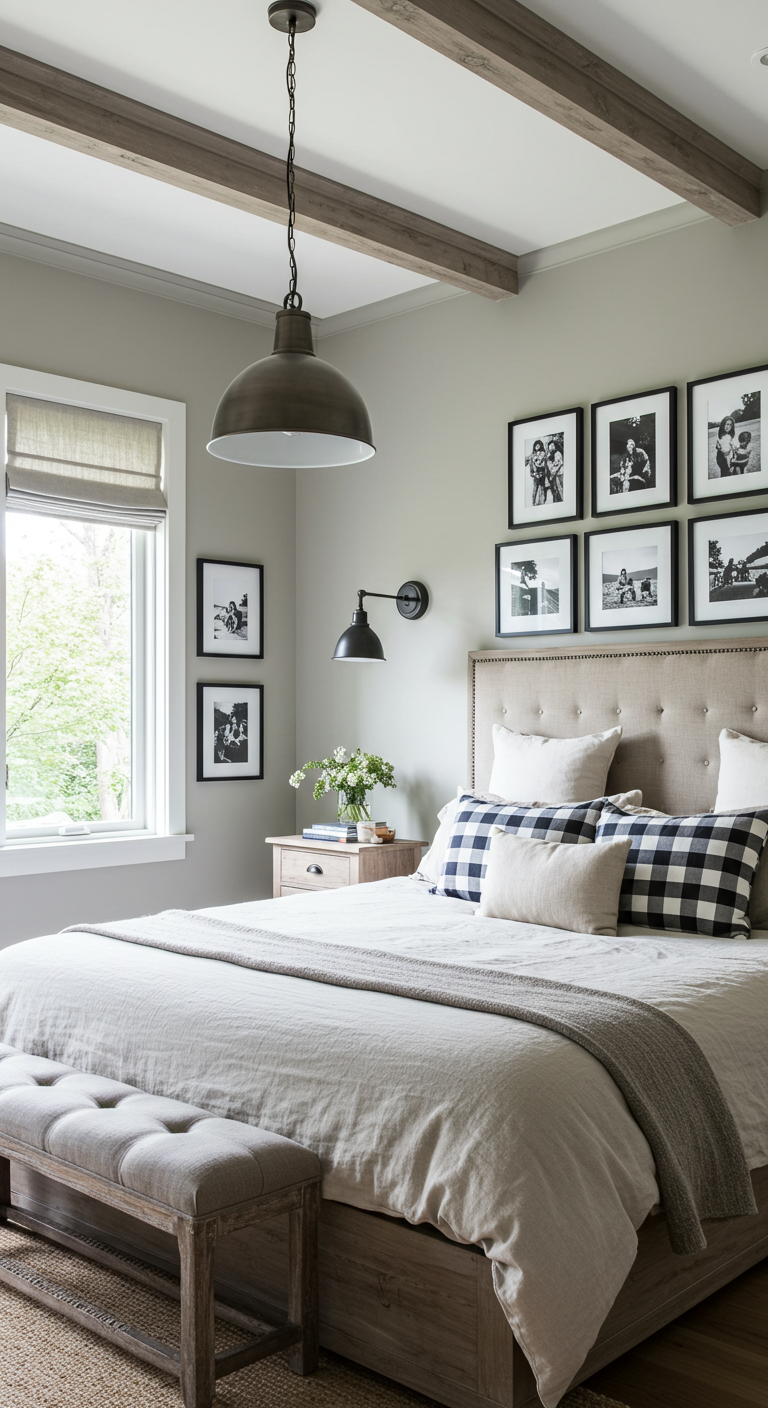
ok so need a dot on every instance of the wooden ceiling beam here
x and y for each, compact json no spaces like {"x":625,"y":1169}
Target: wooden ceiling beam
{"x":49,"y":103}
{"x":513,"y":48}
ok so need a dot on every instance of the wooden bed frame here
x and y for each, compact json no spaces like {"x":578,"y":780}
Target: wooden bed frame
{"x":405,"y":1300}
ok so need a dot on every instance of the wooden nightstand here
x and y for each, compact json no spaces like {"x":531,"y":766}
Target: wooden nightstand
{"x":301,"y":865}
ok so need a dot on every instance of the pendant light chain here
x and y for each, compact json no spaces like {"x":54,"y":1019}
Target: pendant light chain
{"x":292,"y":298}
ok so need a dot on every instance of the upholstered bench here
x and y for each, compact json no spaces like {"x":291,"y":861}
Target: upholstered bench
{"x":180,"y":1169}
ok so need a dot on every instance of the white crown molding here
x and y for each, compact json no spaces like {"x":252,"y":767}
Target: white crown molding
{"x":388,"y":308}
{"x":76,"y":259}
{"x":25,"y":244}
{"x":539,"y":261}
{"x":644,"y":227}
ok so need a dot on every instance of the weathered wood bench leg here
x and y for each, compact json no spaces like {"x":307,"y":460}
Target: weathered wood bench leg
{"x":302,"y":1296}
{"x":197,"y":1241}
{"x":5,"y":1184}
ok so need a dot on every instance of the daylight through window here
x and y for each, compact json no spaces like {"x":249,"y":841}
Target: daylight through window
{"x":69,"y":676}
{"x":86,"y":575}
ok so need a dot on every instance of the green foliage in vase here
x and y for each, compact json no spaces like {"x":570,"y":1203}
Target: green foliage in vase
{"x":352,"y":778}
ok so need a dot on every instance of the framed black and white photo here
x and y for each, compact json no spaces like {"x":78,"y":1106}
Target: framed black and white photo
{"x":536,"y":586}
{"x":230,"y":609}
{"x":728,"y":568}
{"x":634,"y":452}
{"x":230,"y":732}
{"x":725,"y":458}
{"x":545,"y":468}
{"x":631,"y":577}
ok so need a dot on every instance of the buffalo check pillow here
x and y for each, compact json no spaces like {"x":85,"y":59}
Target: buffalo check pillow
{"x":466,"y":855}
{"x":692,"y":873}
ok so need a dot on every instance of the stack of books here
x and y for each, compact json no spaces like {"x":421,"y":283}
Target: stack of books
{"x":341,"y":831}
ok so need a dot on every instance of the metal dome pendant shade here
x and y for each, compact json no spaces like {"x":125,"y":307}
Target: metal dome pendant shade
{"x":291,"y":410}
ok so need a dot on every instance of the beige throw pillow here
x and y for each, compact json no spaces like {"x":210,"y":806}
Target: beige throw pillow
{"x":743,"y":778}
{"x":545,"y":882}
{"x":527,"y":766}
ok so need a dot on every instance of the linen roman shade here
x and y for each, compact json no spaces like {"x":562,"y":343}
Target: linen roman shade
{"x":74,"y":462}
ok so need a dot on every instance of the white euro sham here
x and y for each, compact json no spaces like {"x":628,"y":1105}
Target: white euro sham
{"x":743,"y":777}
{"x":527,"y":766}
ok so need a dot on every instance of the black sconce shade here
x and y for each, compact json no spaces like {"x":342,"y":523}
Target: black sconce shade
{"x":359,"y":643}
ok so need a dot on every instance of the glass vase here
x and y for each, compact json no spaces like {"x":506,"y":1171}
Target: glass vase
{"x":352,"y":811}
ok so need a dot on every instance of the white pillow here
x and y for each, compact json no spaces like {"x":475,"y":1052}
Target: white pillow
{"x":432,"y":860}
{"x":743,"y":779}
{"x":527,"y":766}
{"x":743,"y":782}
{"x":545,"y":882}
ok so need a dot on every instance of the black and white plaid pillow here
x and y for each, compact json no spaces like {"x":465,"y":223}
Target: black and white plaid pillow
{"x":692,"y":873}
{"x":463,"y":868}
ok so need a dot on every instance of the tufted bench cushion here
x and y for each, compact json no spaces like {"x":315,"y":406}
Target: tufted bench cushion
{"x":179,"y":1169}
{"x":176,"y":1154}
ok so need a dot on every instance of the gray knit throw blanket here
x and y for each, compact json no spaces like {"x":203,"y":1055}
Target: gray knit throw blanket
{"x":660,"y":1070}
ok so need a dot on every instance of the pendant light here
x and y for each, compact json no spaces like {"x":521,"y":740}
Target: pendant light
{"x":359,"y":644}
{"x":291,"y":410}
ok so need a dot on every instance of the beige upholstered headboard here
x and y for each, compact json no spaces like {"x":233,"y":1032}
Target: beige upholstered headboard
{"x":671,"y":701}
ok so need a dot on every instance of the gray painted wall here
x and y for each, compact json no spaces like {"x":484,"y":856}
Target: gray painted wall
{"x":441,"y":384}
{"x":60,"y":322}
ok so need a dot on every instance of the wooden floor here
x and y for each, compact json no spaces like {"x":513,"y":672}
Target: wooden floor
{"x":715,"y":1356}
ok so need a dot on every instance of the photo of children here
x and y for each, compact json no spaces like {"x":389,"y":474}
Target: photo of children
{"x":734,"y":435}
{"x":544,"y":465}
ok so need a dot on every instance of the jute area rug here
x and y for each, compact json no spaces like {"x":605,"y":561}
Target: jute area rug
{"x":49,"y":1362}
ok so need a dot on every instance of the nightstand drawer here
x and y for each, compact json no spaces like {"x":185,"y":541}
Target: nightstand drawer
{"x":314,"y":870}
{"x":292,"y":890}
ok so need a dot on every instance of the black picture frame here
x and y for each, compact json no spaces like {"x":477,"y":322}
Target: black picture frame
{"x":662,"y":402}
{"x":703,"y":487}
{"x":530,"y":545}
{"x":695,"y":567}
{"x":547,"y":427}
{"x":595,"y":615}
{"x":239,"y":577}
{"x":229,"y":769}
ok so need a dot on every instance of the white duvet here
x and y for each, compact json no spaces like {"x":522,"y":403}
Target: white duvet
{"x":495,"y":1131}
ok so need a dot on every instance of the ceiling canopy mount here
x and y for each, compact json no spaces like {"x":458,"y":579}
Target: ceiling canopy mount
{"x":300,"y":13}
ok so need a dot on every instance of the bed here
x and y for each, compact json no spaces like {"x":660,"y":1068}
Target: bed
{"x":409,"y":1212}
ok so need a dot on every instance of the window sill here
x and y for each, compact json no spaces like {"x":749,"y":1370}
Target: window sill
{"x":36,"y":857}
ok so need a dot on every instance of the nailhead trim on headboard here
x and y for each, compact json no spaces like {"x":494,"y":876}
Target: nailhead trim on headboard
{"x":565,"y":655}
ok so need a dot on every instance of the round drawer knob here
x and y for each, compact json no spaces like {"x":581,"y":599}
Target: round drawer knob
{"x":314,"y":870}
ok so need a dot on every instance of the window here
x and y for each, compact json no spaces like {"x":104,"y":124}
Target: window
{"x":94,"y":625}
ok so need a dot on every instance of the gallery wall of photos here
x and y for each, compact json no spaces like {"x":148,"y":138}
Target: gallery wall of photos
{"x":630,"y":574}
{"x":230,"y":625}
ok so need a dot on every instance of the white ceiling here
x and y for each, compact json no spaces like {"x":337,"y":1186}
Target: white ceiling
{"x":375,"y":109}
{"x":693,"y":53}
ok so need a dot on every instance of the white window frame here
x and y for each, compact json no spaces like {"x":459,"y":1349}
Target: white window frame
{"x":161,"y":792}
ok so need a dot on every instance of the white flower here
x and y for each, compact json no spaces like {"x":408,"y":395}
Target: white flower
{"x":352,"y":779}
{"x":297,"y":779}
{"x":338,"y":754}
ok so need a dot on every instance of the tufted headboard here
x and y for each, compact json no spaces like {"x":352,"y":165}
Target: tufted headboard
{"x":671,"y":700}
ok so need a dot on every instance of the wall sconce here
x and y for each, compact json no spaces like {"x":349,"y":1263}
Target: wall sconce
{"x":360,"y":643}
